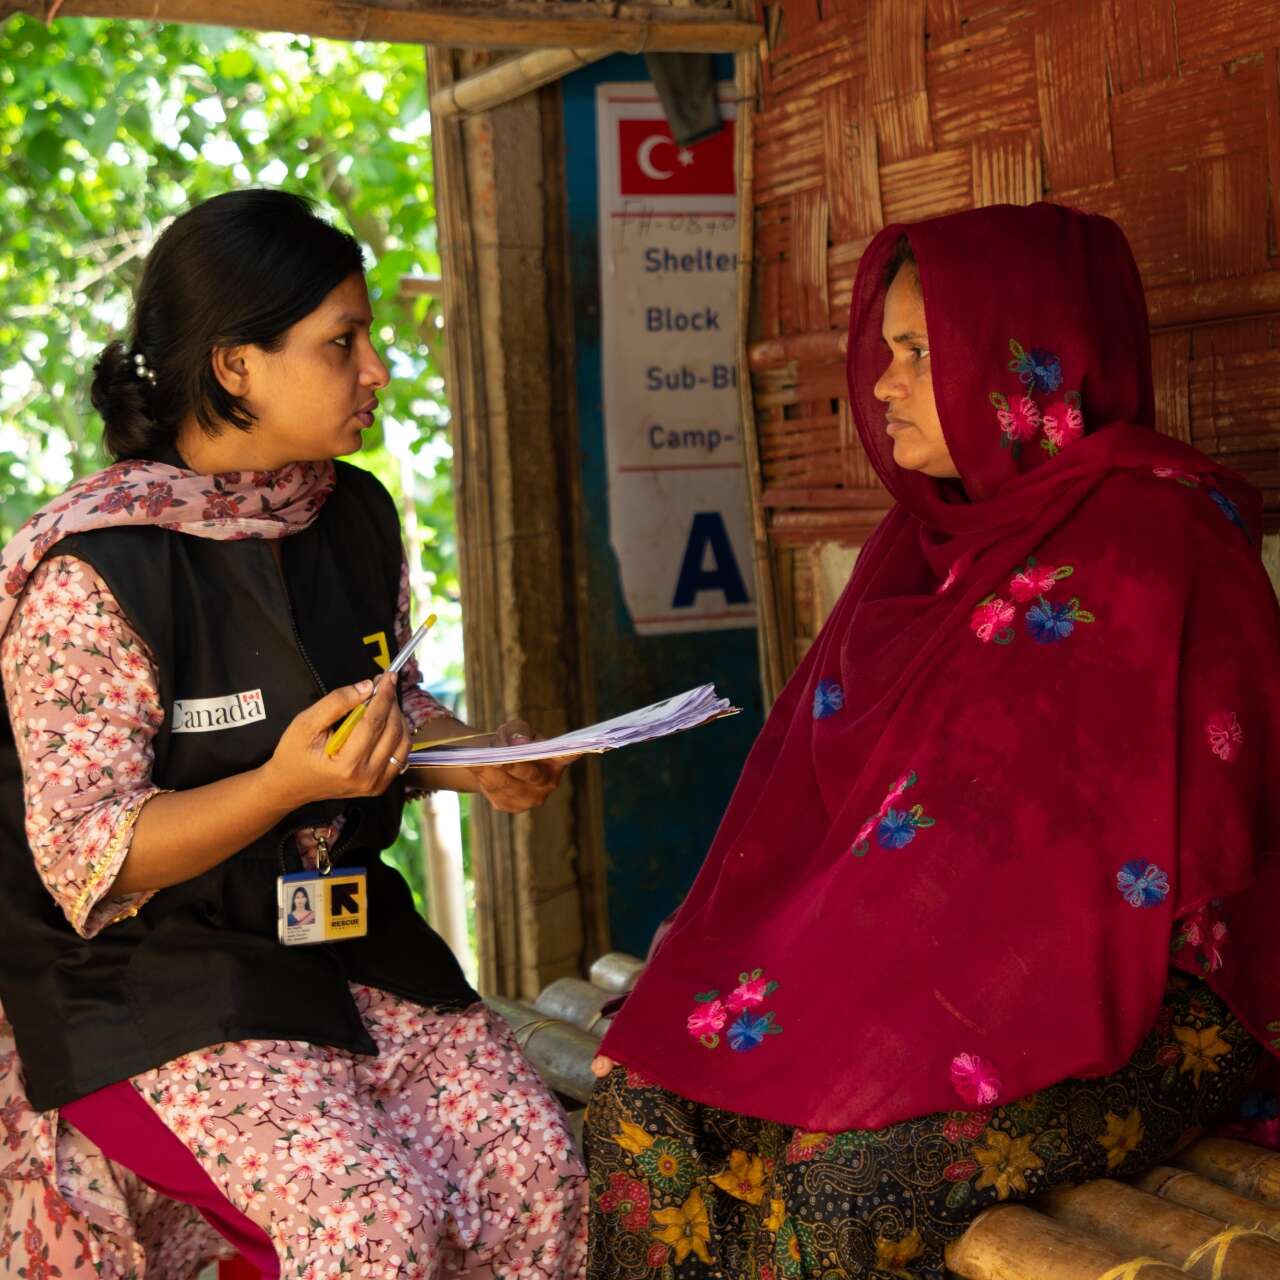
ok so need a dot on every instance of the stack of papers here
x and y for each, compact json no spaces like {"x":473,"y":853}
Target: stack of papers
{"x":672,"y":715}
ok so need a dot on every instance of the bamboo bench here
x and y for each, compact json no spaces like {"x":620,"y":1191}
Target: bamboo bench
{"x":1213,"y":1212}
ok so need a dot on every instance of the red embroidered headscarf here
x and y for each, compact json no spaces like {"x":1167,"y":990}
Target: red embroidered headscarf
{"x":1038,"y":730}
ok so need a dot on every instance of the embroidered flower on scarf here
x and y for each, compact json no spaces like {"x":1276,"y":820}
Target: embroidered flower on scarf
{"x":1019,"y":418}
{"x":1227,"y":507}
{"x":1063,"y":424}
{"x":1204,"y":935}
{"x":892,"y":827}
{"x":975,"y":1079}
{"x":1225,"y":735}
{"x":1040,"y":371}
{"x":991,"y":619}
{"x":1048,"y":622}
{"x":748,"y":993}
{"x":1036,"y":580}
{"x":828,"y":698}
{"x":1022,"y":416}
{"x":1187,"y":478}
{"x":1142,"y":883}
{"x":749,"y":1029}
{"x":897,"y":829}
{"x":707,"y":1019}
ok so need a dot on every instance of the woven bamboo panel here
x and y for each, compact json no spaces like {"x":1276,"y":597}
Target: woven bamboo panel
{"x":1163,"y":114}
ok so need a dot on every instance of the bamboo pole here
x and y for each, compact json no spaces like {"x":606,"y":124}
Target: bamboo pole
{"x":828,"y":346}
{"x":511,"y":79}
{"x":1244,"y":1168}
{"x":1012,"y":1242}
{"x":561,"y":1054}
{"x":1208,"y":301}
{"x":1190,"y":1189}
{"x":647,"y":28}
{"x":772,"y":674}
{"x":497,"y":940}
{"x":616,"y":972}
{"x":1135,"y":1221}
{"x":576,"y":1002}
{"x":420,"y":287}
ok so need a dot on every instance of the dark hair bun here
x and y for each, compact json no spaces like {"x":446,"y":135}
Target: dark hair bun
{"x":121,"y":397}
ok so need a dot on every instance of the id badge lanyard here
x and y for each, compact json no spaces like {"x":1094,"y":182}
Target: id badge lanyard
{"x":322,"y":905}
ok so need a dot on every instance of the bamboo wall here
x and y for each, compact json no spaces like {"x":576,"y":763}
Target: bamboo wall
{"x":1163,"y":114}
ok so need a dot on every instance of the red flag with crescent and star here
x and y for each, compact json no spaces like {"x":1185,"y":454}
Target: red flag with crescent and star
{"x":653,"y":164}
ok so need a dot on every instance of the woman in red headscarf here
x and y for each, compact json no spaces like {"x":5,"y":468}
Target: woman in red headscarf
{"x":992,"y":908}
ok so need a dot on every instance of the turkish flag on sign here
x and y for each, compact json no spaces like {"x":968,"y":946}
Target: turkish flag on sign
{"x":653,"y":165}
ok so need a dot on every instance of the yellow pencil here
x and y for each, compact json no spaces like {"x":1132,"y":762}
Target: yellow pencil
{"x":356,"y":714}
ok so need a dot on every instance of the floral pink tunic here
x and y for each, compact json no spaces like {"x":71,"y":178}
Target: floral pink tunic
{"x":445,"y":1150}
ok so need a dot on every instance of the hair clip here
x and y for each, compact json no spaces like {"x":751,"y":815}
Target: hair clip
{"x":142,"y":369}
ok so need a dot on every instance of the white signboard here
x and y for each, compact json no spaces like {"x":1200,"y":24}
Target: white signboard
{"x":678,"y":507}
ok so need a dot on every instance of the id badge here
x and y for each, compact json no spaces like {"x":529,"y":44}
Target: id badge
{"x":315,"y":908}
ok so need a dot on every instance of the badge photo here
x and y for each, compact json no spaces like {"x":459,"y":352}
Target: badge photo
{"x":314,"y":908}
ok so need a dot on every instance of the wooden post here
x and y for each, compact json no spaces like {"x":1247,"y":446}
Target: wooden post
{"x":772,"y":672}
{"x":477,"y":24}
{"x":499,"y":185}
{"x":511,"y":79}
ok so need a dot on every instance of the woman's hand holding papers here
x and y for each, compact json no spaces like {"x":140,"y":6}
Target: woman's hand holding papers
{"x":515,"y":788}
{"x":509,"y":788}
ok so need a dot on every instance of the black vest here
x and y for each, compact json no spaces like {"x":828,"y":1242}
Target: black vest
{"x":200,"y":963}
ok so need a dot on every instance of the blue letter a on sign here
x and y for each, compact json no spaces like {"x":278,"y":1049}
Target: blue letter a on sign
{"x":723,"y":575}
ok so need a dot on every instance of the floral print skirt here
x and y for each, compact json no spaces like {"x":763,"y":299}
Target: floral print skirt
{"x":682,"y":1191}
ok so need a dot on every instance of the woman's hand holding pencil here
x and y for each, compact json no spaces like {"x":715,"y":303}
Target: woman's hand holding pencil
{"x":373,"y":755}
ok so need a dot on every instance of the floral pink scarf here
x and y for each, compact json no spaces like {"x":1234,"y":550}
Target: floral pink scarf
{"x":235,"y":504}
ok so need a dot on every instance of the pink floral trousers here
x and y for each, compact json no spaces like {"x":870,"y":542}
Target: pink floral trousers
{"x":444,"y":1155}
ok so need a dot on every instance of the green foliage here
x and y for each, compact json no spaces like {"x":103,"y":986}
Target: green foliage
{"x":108,"y":130}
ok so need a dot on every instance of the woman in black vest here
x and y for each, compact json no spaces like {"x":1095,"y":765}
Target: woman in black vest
{"x":180,"y":634}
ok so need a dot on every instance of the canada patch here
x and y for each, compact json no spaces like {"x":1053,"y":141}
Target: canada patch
{"x":204,"y":715}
